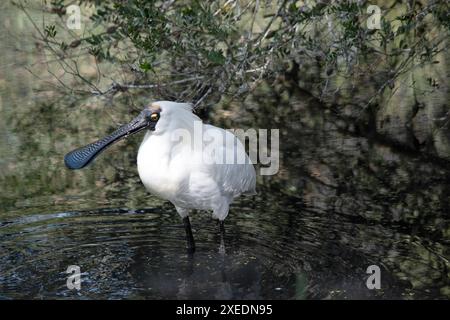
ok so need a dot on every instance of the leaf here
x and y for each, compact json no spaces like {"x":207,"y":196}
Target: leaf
{"x":50,"y":31}
{"x":216,"y":57}
{"x":145,"y":66}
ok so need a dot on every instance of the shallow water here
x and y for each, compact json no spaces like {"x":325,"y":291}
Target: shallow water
{"x":340,"y":203}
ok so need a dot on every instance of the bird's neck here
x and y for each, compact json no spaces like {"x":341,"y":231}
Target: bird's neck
{"x":185,"y":121}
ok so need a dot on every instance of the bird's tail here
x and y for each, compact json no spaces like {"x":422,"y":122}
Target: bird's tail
{"x":251,"y":192}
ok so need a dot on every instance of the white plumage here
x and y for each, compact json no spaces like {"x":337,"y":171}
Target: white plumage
{"x":173,"y":169}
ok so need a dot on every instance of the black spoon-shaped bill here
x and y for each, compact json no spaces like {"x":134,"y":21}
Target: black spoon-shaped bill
{"x":81,"y":157}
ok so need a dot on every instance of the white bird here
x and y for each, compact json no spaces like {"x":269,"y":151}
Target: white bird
{"x":183,"y":160}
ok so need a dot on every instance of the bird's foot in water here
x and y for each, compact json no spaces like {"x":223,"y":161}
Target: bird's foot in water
{"x":190,"y":243}
{"x":190,"y":247}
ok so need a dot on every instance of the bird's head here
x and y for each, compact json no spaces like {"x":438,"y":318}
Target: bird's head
{"x":171,"y":116}
{"x":157,"y":117}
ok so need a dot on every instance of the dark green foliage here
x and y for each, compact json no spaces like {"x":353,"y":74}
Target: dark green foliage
{"x":233,"y":45}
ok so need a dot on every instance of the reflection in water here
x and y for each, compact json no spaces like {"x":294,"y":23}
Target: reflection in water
{"x":342,"y":201}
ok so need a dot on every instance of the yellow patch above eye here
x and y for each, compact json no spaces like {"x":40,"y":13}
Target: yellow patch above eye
{"x":154,"y":107}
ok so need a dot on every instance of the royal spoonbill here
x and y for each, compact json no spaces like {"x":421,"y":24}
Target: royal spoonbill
{"x":191,"y":164}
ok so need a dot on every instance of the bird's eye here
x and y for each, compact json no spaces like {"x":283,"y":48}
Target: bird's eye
{"x":154,"y":116}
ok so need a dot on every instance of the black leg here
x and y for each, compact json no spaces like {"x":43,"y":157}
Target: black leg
{"x":189,"y":237}
{"x":222,"y":228}
{"x":222,"y":237}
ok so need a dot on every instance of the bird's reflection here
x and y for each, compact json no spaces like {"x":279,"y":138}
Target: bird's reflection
{"x":218,"y":286}
{"x":216,"y":274}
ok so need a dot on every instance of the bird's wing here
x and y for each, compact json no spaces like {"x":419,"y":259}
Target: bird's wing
{"x":233,"y":177}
